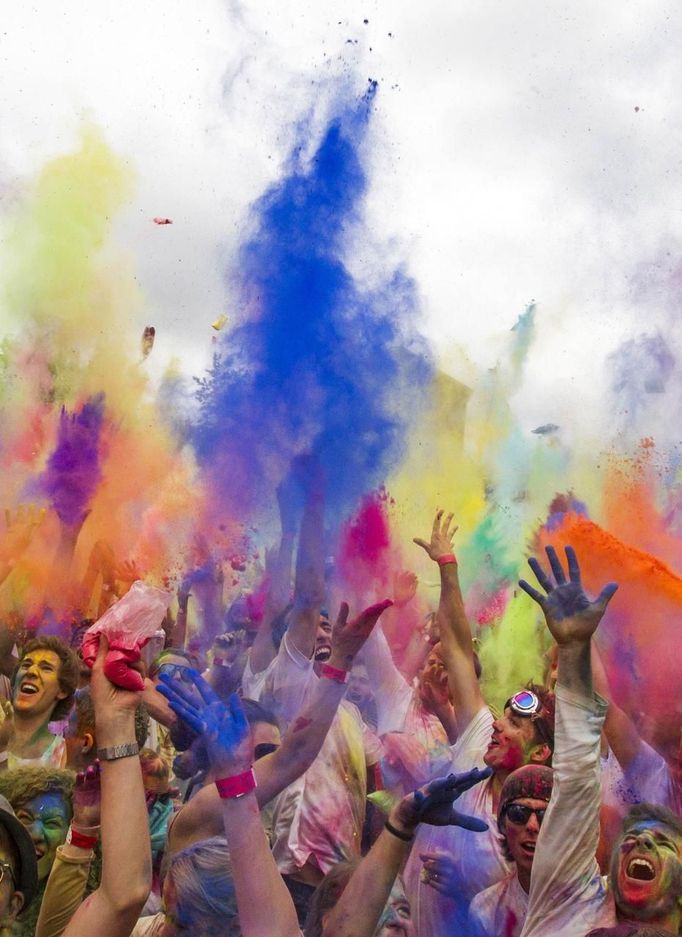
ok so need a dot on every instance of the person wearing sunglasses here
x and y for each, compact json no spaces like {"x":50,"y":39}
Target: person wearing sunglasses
{"x":522,"y":734}
{"x":501,"y":909}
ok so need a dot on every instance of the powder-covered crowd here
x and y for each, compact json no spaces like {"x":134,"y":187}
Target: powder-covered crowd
{"x":301,"y":777}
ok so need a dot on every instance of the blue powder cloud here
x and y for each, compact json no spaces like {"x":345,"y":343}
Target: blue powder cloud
{"x":318,"y":364}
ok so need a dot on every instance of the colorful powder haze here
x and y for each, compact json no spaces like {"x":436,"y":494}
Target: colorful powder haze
{"x":315,"y":362}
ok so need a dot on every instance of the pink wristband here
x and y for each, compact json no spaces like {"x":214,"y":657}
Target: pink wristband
{"x":334,"y":673}
{"x":446,"y":558}
{"x":81,"y":840}
{"x":237,"y":785}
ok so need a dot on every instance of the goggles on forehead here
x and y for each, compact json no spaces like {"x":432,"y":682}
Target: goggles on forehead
{"x":524,"y":703}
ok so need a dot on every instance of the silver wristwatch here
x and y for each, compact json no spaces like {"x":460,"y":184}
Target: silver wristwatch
{"x":118,"y":751}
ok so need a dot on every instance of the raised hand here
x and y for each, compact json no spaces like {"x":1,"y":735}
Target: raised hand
{"x":433,"y":803}
{"x":349,"y":636}
{"x":404,"y":587}
{"x":570,"y":615}
{"x":441,"y":537}
{"x":19,"y":531}
{"x":441,"y":873}
{"x":223,"y":727}
{"x":86,"y":798}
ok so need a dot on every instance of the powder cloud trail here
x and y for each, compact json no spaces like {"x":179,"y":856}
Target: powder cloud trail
{"x":73,"y":470}
{"x":318,"y":364}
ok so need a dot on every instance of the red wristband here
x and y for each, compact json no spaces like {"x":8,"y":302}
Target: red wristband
{"x":237,"y":785}
{"x":446,"y":558}
{"x":334,"y":673}
{"x":81,"y":840}
{"x":220,"y":662}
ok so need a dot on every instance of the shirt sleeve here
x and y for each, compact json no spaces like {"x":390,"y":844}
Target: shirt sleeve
{"x":63,"y":894}
{"x":392,"y":692}
{"x":565,"y":880}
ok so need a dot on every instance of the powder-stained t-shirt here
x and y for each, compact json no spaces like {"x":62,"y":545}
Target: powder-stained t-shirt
{"x":499,"y":911}
{"x":319,"y":817}
{"x":477,"y":857}
{"x":568,"y":896}
{"x":416,"y":744}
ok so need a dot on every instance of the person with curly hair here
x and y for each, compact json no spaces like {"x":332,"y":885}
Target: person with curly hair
{"x":43,"y":690}
{"x":41,"y":799}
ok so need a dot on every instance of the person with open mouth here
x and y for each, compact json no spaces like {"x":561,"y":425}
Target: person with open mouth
{"x":568,"y":896}
{"x":501,"y":909}
{"x":43,"y":691}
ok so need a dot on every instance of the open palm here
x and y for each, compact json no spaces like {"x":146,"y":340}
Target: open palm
{"x":569,"y":613}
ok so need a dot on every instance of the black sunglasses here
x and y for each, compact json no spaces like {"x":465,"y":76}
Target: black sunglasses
{"x":265,"y":748}
{"x":519,"y":814}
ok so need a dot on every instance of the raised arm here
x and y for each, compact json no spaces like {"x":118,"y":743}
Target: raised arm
{"x":278,"y":572}
{"x":571,"y":617}
{"x":565,"y":873}
{"x":201,"y":817}
{"x":126,"y":855}
{"x":263,"y":900}
{"x":455,"y":630}
{"x":309,"y":582}
{"x":357,"y":912}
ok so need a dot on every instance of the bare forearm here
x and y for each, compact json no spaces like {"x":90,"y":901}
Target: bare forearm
{"x":126,"y":854}
{"x":302,"y":743}
{"x":263,"y":900}
{"x":309,"y":585}
{"x":575,"y":667}
{"x":458,"y":649}
{"x":357,"y":912}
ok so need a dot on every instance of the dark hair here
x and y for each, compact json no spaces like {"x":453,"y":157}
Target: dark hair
{"x":656,"y":812}
{"x":326,"y":895}
{"x":69,"y":671}
{"x":84,"y":712}
{"x":256,"y":712}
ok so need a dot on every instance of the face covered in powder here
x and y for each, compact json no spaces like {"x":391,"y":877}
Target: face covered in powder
{"x":36,"y":685}
{"x":646,"y":871}
{"x":396,"y":918}
{"x":513,"y":743}
{"x":46,"y":817}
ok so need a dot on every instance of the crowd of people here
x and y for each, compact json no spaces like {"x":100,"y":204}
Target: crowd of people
{"x":287,"y":770}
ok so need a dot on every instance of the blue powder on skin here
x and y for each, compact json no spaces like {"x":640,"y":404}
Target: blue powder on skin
{"x":318,"y":364}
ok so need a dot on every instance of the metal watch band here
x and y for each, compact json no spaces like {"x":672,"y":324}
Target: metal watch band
{"x":118,"y":751}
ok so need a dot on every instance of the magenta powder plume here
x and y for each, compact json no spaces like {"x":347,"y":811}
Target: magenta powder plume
{"x":73,"y":470}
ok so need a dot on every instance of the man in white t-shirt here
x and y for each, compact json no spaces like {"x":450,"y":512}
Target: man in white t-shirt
{"x":501,"y":909}
{"x":568,"y":897}
{"x":523,"y":734}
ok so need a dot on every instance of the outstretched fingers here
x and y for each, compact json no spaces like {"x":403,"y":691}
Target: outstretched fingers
{"x":540,"y":574}
{"x":467,"y":822}
{"x":533,"y":593}
{"x":606,"y":594}
{"x":555,"y":563}
{"x":573,"y":565}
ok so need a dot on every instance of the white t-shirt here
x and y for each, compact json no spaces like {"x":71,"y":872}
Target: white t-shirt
{"x":568,"y":897}
{"x":320,"y":816}
{"x":499,"y":911}
{"x":417,"y":746}
{"x":478,"y":857}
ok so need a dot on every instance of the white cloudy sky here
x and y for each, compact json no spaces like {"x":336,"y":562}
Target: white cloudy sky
{"x":522,"y":150}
